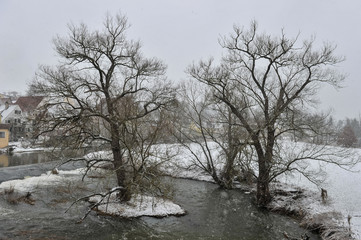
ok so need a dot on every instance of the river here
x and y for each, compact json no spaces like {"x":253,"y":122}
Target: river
{"x":212,"y":214}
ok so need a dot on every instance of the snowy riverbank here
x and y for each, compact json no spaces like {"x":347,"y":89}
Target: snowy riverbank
{"x":138,"y":206}
{"x":294,"y":195}
{"x":24,"y":146}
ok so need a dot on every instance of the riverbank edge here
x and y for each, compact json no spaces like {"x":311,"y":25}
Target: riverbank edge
{"x":287,"y":200}
{"x":293,"y":202}
{"x":313,"y":212}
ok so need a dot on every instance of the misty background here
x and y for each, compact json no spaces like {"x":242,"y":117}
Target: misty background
{"x":182,"y":32}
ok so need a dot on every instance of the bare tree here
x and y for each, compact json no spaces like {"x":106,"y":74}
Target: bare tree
{"x":211,"y":134}
{"x":104,"y":90}
{"x":267,"y":82}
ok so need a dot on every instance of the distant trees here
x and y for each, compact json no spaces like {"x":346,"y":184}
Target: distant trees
{"x":105,"y":91}
{"x":267,"y":83}
{"x":347,"y":137}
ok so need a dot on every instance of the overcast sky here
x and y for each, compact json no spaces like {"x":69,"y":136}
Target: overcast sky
{"x":180,"y":32}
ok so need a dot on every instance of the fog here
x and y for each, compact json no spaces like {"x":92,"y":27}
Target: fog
{"x":181,"y":32}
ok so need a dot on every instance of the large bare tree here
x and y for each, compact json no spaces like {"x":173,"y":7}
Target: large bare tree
{"x":105,"y":90}
{"x":268,"y":82}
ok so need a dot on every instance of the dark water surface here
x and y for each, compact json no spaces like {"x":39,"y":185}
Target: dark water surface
{"x":212,"y":214}
{"x":17,"y":159}
{"x":26,"y":158}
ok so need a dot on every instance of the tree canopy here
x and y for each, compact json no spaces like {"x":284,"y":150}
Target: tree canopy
{"x":105,"y":91}
{"x":268,"y":82}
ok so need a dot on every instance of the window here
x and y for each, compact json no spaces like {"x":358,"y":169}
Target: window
{"x":2,"y":134}
{"x":17,"y":112}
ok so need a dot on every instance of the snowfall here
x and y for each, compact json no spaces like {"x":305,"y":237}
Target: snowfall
{"x":343,"y":187}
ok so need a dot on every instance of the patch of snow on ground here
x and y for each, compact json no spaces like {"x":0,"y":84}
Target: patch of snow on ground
{"x":20,"y":147}
{"x":29,"y":184}
{"x":99,"y":155}
{"x":343,"y":188}
{"x":139,"y":206}
{"x":182,"y":164}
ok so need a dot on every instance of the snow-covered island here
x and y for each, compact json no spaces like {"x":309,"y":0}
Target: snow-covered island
{"x":136,"y":207}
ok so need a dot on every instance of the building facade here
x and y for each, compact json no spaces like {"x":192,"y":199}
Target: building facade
{"x":4,"y":135}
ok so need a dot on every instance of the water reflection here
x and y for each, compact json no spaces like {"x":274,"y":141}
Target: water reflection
{"x":17,"y":159}
{"x":214,"y":213}
{"x":4,"y":160}
{"x":26,"y":158}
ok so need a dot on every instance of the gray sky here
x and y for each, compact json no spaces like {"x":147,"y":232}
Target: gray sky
{"x":180,"y":32}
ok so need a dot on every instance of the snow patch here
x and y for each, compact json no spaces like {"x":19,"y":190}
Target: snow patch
{"x":29,"y":184}
{"x":138,"y":206}
{"x":21,"y":147}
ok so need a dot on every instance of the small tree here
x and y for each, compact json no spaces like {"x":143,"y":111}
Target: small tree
{"x":267,"y":82}
{"x":105,"y":91}
{"x":211,"y":134}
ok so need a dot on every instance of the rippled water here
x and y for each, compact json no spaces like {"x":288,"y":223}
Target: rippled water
{"x":212,"y":214}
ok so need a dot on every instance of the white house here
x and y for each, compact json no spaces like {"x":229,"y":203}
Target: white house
{"x":12,"y":115}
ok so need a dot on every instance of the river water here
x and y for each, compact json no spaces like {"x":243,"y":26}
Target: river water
{"x":27,"y":158}
{"x":17,"y":159}
{"x":212,"y":214}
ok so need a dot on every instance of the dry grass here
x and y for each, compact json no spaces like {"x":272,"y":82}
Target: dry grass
{"x":96,"y":176}
{"x":327,"y":223}
{"x":324,"y":223}
{"x":9,"y":190}
{"x":15,"y":198}
{"x":59,"y":201}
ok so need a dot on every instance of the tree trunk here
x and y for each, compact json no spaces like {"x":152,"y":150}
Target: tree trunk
{"x":119,"y":165}
{"x":231,"y":153}
{"x":264,"y":162}
{"x":228,"y":170}
{"x":263,"y":193}
{"x":118,"y":161}
{"x":121,"y":174}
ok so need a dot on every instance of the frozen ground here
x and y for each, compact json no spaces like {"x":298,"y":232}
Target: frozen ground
{"x":344,"y":194}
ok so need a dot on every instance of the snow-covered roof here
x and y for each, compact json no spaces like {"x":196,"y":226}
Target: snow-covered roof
{"x":5,"y":112}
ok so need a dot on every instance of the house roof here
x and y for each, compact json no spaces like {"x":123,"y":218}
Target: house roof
{"x":5,"y":126}
{"x":29,"y":103}
{"x":5,"y":112}
{"x":5,"y":100}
